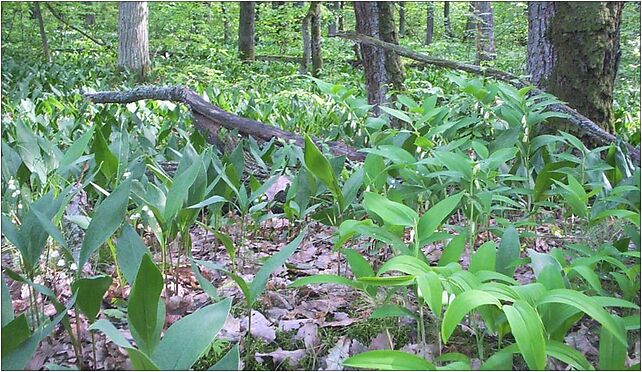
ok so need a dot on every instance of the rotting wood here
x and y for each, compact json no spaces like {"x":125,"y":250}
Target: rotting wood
{"x":578,"y":121}
{"x":210,"y":118}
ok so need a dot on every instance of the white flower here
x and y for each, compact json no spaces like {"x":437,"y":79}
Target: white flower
{"x":145,"y":208}
{"x":61,"y":262}
{"x":19,"y":205}
{"x":127,"y":174}
{"x":54,"y":254}
{"x":444,"y":297}
{"x":134,"y":216}
{"x":139,"y":226}
{"x":12,"y":184}
{"x":15,"y":193}
{"x":150,"y":213}
{"x":73,"y":266}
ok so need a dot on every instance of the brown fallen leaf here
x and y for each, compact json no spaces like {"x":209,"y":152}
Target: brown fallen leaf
{"x":261,"y":326}
{"x":279,"y":356}
{"x":309,"y":334}
{"x":339,"y":352}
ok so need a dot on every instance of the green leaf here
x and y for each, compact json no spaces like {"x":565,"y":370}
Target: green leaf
{"x":391,"y":311}
{"x":229,"y":362}
{"x":107,"y":218}
{"x":90,"y":294}
{"x":397,"y":154}
{"x":389,"y":360}
{"x":392,"y":213}
{"x":436,"y":215}
{"x":502,"y":360}
{"x":589,"y":275}
{"x":186,"y":340}
{"x":526,"y":326}
{"x":452,"y":252}
{"x":587,"y":305}
{"x":358,"y":265}
{"x":142,"y":312}
{"x":431,"y":291}
{"x":106,"y":327}
{"x":568,"y":355}
{"x":76,"y":149}
{"x":550,"y":172}
{"x":179,"y":191}
{"x":403,"y":280}
{"x":140,"y":361}
{"x":396,"y":113}
{"x":227,"y":243}
{"x":508,"y":251}
{"x":130,"y":250}
{"x":462,"y":305}
{"x":484,"y":258}
{"x":104,"y":157}
{"x":14,"y":333}
{"x":318,"y":165}
{"x":273,"y":263}
{"x":7,"y":305}
{"x":405,"y":264}
{"x":211,"y":200}
{"x":612,"y":354}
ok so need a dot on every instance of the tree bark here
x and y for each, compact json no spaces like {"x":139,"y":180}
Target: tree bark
{"x":209,"y":117}
{"x":341,"y":15}
{"x":388,"y":33}
{"x":332,"y":25}
{"x":430,"y":22}
{"x":471,"y":22}
{"x":402,"y":19}
{"x":226,"y":23}
{"x":133,"y":41}
{"x":246,"y":30}
{"x":577,"y":122}
{"x":373,"y":58}
{"x":485,"y":35}
{"x":315,"y":26}
{"x":43,"y":36}
{"x":573,"y":53}
{"x":447,"y":28}
{"x":307,"y":48}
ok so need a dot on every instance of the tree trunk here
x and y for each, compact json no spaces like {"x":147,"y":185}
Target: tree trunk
{"x":332,"y":26}
{"x":277,"y":4}
{"x":388,"y":33}
{"x":485,"y":35}
{"x":315,"y":26}
{"x":226,"y":23}
{"x":307,"y":51}
{"x":448,"y":30}
{"x":373,"y":58}
{"x":246,"y":30}
{"x":430,"y":22}
{"x":341,"y":15}
{"x":90,"y":17}
{"x":573,"y":53}
{"x":402,"y":19}
{"x":43,"y":36}
{"x":133,"y":41}
{"x":471,"y":22}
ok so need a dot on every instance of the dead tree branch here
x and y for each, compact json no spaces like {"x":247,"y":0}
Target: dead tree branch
{"x":61,"y":18}
{"x":209,"y":117}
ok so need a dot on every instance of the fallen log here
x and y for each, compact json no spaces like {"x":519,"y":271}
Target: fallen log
{"x":579,"y":122}
{"x":209,"y":118}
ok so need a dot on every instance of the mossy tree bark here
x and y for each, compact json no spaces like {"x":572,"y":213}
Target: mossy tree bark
{"x":471,"y":22}
{"x":315,"y":26}
{"x":447,"y":28}
{"x":307,"y":49}
{"x":430,"y":22}
{"x":246,"y":30}
{"x":402,"y":19}
{"x":37,"y":13}
{"x":388,"y":33}
{"x":485,"y":35}
{"x":133,"y":39}
{"x":573,"y":53}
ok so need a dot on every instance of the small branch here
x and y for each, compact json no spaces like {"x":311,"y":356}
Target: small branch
{"x":60,"y":18}
{"x":577,"y":120}
{"x":209,"y":117}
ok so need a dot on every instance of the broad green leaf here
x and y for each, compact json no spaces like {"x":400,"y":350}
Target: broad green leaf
{"x":508,"y":251}
{"x":502,"y":360}
{"x":358,"y":265}
{"x":405,"y":264}
{"x":106,"y":327}
{"x":107,"y":218}
{"x":403,"y":280}
{"x":394,"y":153}
{"x":545,"y":177}
{"x":568,"y":355}
{"x":7,"y":305}
{"x":391,"y":311}
{"x":589,"y":275}
{"x":484,"y":258}
{"x":429,"y":222}
{"x":323,"y":279}
{"x":211,"y":200}
{"x":587,"y":305}
{"x":140,"y":361}
{"x":431,"y":290}
{"x":397,"y":114}
{"x":392,"y":213}
{"x":526,"y":326}
{"x":273,"y":263}
{"x":14,"y":333}
{"x":453,"y":251}
{"x":227,"y":243}
{"x":389,"y":360}
{"x":107,"y":161}
{"x":189,"y":338}
{"x":130,"y":250}
{"x":229,"y":362}
{"x":90,"y":292}
{"x":76,"y":149}
{"x":142,"y":312}
{"x":179,"y":191}
{"x":612,"y":354}
{"x":320,"y":167}
{"x":462,"y":305}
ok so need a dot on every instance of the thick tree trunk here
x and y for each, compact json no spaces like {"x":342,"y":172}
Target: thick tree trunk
{"x":90,"y":17}
{"x":402,"y":19}
{"x":447,"y":28}
{"x":373,"y":58}
{"x":307,"y":48}
{"x":430,"y":22}
{"x":226,"y":23}
{"x":485,"y":35}
{"x":388,"y":33}
{"x":246,"y":30}
{"x":471,"y":22}
{"x":341,"y":15}
{"x":37,"y":13}
{"x":573,"y":53}
{"x":334,"y":20}
{"x":133,"y":41}
{"x":315,"y":26}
